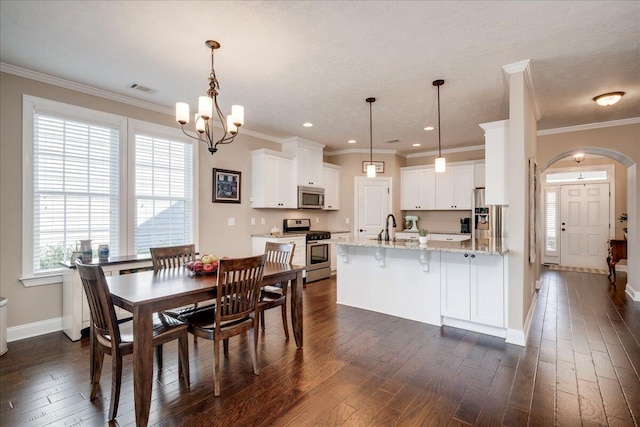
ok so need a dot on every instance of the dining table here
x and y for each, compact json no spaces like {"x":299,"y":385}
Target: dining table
{"x":148,"y":292}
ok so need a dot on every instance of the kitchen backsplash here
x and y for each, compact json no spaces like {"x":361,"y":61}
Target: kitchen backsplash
{"x":439,"y":221}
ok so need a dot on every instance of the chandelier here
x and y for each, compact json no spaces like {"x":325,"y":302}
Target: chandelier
{"x":204,"y":117}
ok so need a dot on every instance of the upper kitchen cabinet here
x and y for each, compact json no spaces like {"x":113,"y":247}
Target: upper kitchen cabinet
{"x":331,"y":182}
{"x":418,"y":188}
{"x":454,"y":188}
{"x":272,"y":184}
{"x":307,"y":160}
{"x":479,"y":179}
{"x":496,"y":144}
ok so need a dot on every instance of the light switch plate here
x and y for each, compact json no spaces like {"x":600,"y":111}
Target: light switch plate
{"x":346,"y":220}
{"x":262,"y":221}
{"x":253,"y":221}
{"x":231,"y":221}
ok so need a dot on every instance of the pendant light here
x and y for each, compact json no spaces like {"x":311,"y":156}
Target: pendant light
{"x":371,"y":168}
{"x":441,"y":164}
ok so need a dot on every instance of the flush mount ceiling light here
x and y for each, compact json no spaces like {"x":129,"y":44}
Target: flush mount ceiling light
{"x":441,"y":164}
{"x":307,"y":124}
{"x":371,"y":168}
{"x":429,"y":128}
{"x":578,"y":157}
{"x":351,"y":141}
{"x":204,"y":118}
{"x":607,"y":99}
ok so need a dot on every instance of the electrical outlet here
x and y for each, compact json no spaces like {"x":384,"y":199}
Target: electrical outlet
{"x":253,"y":221}
{"x":346,"y":220}
{"x":231,"y":221}
{"x":262,"y":221}
{"x":317,"y":220}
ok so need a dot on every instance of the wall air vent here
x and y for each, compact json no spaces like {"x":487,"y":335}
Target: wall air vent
{"x":141,"y":88}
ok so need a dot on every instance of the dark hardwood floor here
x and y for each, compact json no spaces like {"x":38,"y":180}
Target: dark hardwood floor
{"x":358,"y":368}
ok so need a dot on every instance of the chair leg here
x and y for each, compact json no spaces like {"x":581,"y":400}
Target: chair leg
{"x":253,"y":348}
{"x":159,"y":356}
{"x":98,"y":359}
{"x":183,"y":359}
{"x":116,"y":381}
{"x":284,"y":321}
{"x":226,"y":346}
{"x":262,"y":318}
{"x":216,"y":367}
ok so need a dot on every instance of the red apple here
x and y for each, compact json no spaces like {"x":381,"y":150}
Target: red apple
{"x":191,"y":265}
{"x":208,"y":268}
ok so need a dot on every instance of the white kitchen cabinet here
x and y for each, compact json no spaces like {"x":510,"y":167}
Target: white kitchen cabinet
{"x":472,"y":288}
{"x":496,"y":146}
{"x":418,"y":189}
{"x":454,"y":188}
{"x":479,"y":173}
{"x":307,"y":160}
{"x":334,"y":249}
{"x":272,"y":184}
{"x":331,"y":182}
{"x":299,"y":252}
{"x":75,"y":309}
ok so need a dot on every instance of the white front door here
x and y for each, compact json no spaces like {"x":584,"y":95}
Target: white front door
{"x":584,"y":226}
{"x":372,"y":205}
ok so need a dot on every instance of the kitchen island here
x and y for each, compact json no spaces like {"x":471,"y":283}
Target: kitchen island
{"x":456,"y":283}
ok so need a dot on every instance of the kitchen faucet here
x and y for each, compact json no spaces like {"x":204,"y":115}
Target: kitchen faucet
{"x":386,"y":226}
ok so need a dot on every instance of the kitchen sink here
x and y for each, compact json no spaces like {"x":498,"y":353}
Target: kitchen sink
{"x":449,"y":237}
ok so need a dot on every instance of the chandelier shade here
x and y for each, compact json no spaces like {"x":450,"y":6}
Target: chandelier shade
{"x":208,"y":109}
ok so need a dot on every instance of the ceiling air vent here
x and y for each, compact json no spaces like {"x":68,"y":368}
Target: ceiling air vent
{"x":392,"y":141}
{"x":141,"y":88}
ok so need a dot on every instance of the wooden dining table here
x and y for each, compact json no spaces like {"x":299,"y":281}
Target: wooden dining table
{"x":147,"y":292}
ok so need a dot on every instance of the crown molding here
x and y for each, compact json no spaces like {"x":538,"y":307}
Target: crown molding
{"x":590,"y":126}
{"x":105,"y":94}
{"x":447,"y":151}
{"x":360,"y":151}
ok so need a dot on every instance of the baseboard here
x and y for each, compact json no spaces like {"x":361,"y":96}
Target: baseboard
{"x":633,"y":294}
{"x":474,"y":327}
{"x":519,"y":337}
{"x":34,"y":329}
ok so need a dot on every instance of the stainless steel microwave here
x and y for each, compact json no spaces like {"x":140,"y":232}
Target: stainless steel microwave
{"x":310,"y":198}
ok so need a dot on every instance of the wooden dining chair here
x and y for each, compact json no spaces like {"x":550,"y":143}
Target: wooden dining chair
{"x":108,"y":338}
{"x":272,"y":296}
{"x":235,"y":312}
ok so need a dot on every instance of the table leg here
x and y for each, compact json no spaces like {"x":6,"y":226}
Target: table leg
{"x":296,"y":308}
{"x":142,"y":363}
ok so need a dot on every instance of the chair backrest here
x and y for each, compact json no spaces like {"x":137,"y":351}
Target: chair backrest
{"x":281,"y":253}
{"x":172,"y":256}
{"x":239,"y":282}
{"x":103,"y":314}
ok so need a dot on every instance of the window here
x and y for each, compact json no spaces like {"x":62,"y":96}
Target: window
{"x":551,"y":220}
{"x":163,"y":192}
{"x":577,"y":176}
{"x":86,"y":177}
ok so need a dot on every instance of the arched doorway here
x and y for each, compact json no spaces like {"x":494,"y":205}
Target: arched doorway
{"x":633,"y":287}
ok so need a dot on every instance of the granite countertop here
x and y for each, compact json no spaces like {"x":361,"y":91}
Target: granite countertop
{"x":292,"y":234}
{"x":495,"y":246}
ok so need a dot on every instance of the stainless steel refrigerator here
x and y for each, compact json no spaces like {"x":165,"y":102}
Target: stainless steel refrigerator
{"x":488,"y":221}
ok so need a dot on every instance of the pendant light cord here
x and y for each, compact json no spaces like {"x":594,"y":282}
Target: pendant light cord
{"x":370,"y":135}
{"x":439,"y":138}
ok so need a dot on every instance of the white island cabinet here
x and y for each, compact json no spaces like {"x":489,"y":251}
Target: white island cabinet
{"x":455,"y":283}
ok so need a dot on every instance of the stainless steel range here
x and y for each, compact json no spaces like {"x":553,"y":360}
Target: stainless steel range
{"x":318,"y":252}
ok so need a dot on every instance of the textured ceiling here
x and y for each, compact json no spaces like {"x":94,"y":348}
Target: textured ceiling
{"x":295,"y":61}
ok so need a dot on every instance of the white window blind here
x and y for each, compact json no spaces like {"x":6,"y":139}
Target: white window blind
{"x":163,"y":192}
{"x":75,"y":187}
{"x":551,"y":220}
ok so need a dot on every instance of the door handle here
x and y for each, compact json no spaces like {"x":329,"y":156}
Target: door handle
{"x":361,"y":230}
{"x":563,"y":229}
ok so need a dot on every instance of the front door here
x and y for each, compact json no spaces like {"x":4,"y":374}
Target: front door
{"x":372,"y":203}
{"x":584,"y":226}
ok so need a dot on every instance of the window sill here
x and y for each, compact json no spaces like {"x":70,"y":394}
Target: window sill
{"x":49,"y":279}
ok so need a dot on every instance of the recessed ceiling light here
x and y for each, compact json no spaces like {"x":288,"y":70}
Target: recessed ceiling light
{"x":429,"y":128}
{"x":416,"y":145}
{"x":607,"y":99}
{"x":351,"y":141}
{"x":307,"y":124}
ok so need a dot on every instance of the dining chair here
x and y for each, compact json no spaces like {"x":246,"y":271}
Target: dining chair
{"x":272,"y":296}
{"x":107,"y":337}
{"x":235,"y":312}
{"x":174,"y":257}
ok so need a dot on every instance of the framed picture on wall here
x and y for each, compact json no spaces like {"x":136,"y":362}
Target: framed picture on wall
{"x":379,"y":166}
{"x":226,"y":186}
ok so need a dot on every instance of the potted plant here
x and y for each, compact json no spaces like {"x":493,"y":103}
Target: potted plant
{"x":623,"y":218}
{"x":423,"y":236}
